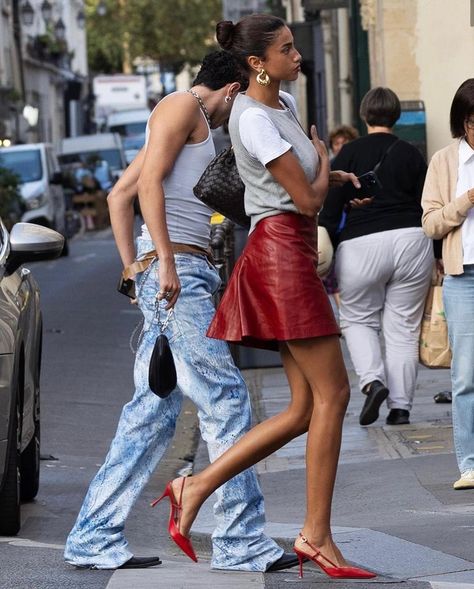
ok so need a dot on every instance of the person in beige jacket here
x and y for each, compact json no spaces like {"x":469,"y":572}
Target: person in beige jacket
{"x":448,"y":214}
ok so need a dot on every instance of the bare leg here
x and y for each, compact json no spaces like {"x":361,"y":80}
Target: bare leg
{"x":322,"y":364}
{"x":261,"y":441}
{"x":320,"y":392}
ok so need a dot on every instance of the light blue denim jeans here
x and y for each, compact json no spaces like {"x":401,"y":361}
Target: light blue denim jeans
{"x":458,"y":301}
{"x":208,"y":376}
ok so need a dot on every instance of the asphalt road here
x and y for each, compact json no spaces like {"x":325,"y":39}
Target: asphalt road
{"x":86,"y":379}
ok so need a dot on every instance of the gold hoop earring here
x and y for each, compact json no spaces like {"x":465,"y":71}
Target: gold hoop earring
{"x":263,"y":78}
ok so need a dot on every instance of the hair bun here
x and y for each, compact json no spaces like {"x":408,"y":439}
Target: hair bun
{"x":225,"y":33}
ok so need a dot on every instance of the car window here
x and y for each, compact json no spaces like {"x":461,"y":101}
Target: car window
{"x":26,"y":164}
{"x":134,"y":142}
{"x":111,"y":156}
{"x":127,"y":129}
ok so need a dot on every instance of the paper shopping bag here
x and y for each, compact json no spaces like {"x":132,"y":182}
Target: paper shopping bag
{"x":434,"y":344}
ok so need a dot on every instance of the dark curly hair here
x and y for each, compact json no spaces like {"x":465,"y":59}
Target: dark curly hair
{"x":250,"y":36}
{"x":218,"y":69}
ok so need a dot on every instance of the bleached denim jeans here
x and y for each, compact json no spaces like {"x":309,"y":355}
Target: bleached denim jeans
{"x":458,"y":301}
{"x":208,"y":376}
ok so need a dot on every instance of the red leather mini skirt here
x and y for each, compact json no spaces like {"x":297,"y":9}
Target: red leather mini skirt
{"x":274,"y":293}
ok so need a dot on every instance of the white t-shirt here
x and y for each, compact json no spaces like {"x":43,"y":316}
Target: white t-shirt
{"x":259,"y":135}
{"x":465,"y":183}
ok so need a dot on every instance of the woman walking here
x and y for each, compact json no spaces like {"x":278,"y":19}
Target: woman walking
{"x":383,"y":261}
{"x":448,"y":214}
{"x":275,"y":299}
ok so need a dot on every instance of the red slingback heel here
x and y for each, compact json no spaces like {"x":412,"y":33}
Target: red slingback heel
{"x":173,"y":522}
{"x":333,"y":570}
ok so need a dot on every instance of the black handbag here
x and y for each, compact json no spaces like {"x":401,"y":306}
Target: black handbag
{"x":162,"y":371}
{"x":221,"y":188}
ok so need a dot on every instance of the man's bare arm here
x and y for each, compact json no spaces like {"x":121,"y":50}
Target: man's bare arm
{"x":120,"y":201}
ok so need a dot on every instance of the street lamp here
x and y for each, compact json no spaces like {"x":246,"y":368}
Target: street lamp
{"x":27,"y":14}
{"x":46,"y":10}
{"x":101,"y":8}
{"x":81,"y":19}
{"x":60,"y":29}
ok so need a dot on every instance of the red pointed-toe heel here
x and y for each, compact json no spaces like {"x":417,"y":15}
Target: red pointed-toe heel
{"x":331,"y":569}
{"x":173,"y":522}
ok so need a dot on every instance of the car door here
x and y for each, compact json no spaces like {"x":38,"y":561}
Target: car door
{"x":8,"y":322}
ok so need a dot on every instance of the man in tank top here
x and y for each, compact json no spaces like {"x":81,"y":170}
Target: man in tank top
{"x":176,"y":289}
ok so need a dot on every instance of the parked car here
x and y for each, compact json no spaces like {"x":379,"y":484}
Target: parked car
{"x":40,"y":179}
{"x":131,"y":126}
{"x":78,"y":177}
{"x":132,"y":145}
{"x":20,"y":365}
{"x":89,"y":149}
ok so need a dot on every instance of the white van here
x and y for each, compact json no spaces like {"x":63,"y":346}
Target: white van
{"x":41,"y":189}
{"x":131,"y":126}
{"x":90,"y":149}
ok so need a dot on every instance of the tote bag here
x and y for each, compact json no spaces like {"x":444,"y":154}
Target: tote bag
{"x":434,"y":344}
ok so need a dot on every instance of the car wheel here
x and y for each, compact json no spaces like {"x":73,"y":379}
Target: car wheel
{"x":10,"y":494}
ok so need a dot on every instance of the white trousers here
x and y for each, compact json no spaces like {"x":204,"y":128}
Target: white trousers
{"x":383,"y":280}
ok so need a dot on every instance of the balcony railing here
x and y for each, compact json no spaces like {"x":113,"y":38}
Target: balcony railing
{"x":50,"y":50}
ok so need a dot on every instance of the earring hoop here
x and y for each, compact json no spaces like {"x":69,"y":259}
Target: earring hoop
{"x":263,"y":78}
{"x":227,"y":99}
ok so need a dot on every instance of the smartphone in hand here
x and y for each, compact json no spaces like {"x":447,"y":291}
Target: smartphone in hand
{"x":370,"y":185}
{"x":127,"y":287}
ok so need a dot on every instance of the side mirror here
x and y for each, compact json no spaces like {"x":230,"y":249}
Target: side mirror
{"x":57,"y":178}
{"x":32,"y":243}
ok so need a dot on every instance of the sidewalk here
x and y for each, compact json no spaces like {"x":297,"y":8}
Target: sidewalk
{"x":394,"y":511}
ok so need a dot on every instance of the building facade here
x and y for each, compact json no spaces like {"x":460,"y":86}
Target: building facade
{"x":423,"y":50}
{"x":11,"y":79}
{"x":43,"y":58}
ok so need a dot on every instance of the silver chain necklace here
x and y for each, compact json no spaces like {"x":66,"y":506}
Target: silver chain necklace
{"x":201,"y":104}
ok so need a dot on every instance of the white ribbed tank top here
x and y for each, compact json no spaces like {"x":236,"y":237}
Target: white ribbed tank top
{"x":187,"y":218}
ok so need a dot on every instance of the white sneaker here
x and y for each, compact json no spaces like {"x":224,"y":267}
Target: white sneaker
{"x":466,"y":481}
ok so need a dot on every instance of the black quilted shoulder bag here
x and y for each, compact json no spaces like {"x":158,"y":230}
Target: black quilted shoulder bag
{"x":221,"y":188}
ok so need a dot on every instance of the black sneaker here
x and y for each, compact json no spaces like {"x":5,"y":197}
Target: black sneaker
{"x":398,"y":417}
{"x":141,"y":562}
{"x":287,"y":560}
{"x":443,"y":397}
{"x":376,"y":394}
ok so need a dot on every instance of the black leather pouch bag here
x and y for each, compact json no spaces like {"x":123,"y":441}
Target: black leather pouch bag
{"x":162,"y":371}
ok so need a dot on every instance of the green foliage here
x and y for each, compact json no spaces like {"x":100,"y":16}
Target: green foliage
{"x":11,"y":203}
{"x":51,"y":43}
{"x":171,"y":32}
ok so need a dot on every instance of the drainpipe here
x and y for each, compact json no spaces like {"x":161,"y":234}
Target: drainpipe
{"x":19,"y":59}
{"x":18,"y":45}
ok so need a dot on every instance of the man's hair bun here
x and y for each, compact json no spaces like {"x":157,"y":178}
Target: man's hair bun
{"x":225,"y":33}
